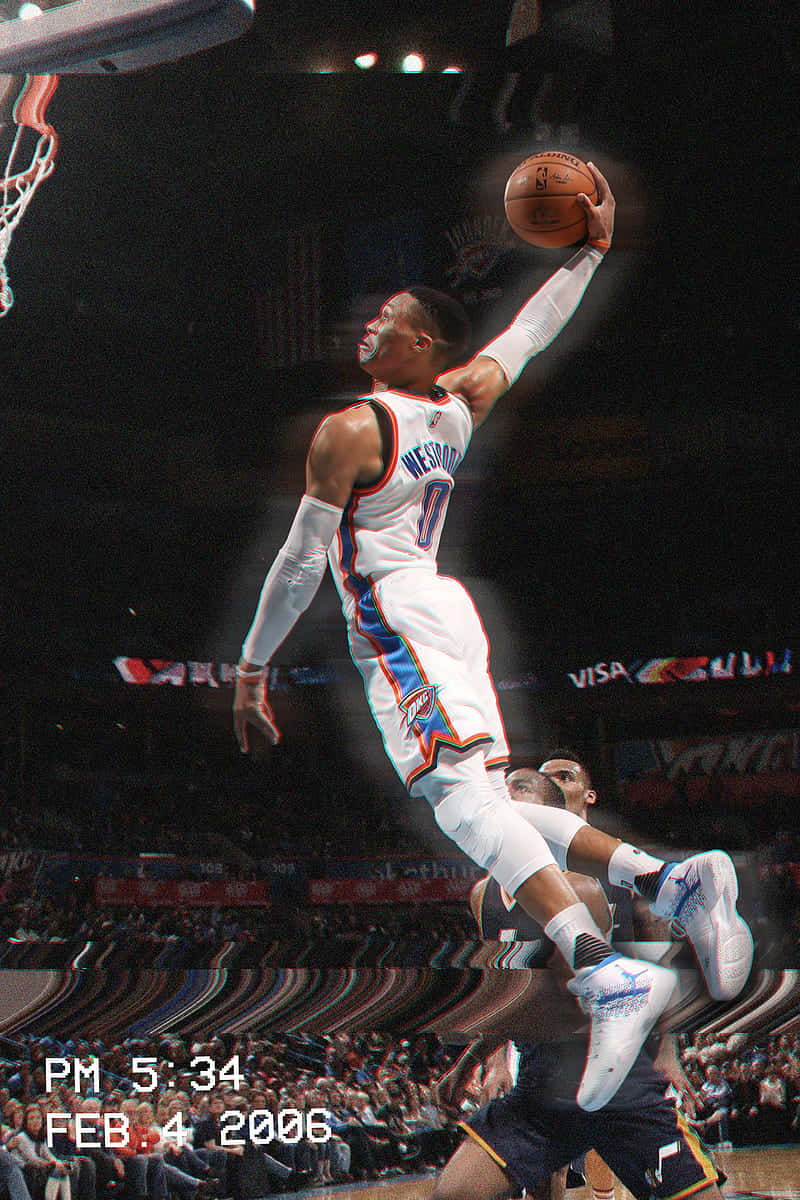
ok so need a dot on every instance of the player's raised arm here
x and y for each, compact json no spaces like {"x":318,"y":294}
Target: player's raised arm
{"x":493,"y":370}
{"x":346,"y":449}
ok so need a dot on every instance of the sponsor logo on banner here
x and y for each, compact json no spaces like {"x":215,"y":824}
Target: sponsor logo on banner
{"x":174,"y":892}
{"x":697,"y":669}
{"x":386,"y":891}
{"x":160,"y":671}
{"x":737,"y":754}
{"x":455,"y":869}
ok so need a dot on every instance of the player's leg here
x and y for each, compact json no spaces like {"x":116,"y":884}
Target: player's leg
{"x":599,"y":1177}
{"x":473,"y":1174}
{"x":697,"y":895}
{"x":426,"y":684}
{"x":622,"y":997}
{"x":655,"y":1154}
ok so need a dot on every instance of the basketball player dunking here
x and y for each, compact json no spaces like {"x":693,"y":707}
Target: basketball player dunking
{"x":378,"y":480}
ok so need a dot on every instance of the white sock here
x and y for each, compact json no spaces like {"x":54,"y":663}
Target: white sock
{"x":566,"y":926}
{"x":627,"y":862}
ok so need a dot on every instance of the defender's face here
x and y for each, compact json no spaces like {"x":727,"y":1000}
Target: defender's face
{"x":521,"y":785}
{"x":527,"y":785}
{"x":389,"y":342}
{"x":573,"y":781}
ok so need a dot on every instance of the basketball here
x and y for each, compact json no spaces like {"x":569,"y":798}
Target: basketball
{"x":540,"y":198}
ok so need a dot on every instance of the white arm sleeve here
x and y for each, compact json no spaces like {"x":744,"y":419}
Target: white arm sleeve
{"x":293,"y":578}
{"x":545,"y":314}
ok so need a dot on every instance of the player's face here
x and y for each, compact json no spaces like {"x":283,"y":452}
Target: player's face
{"x":572,"y":779}
{"x":392,"y":342}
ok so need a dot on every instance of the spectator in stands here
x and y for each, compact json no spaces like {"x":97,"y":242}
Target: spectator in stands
{"x":47,"y":1177}
{"x":109,"y":1171}
{"x":715,"y":1095}
{"x":13,"y":1114}
{"x":773,"y":1118}
{"x":63,"y":1145}
{"x":12,"y":1178}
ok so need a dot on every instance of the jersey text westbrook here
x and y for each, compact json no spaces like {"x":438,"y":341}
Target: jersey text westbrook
{"x":430,"y":455}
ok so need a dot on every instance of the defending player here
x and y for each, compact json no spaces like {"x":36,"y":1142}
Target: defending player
{"x":525,"y":1138}
{"x":378,"y":479}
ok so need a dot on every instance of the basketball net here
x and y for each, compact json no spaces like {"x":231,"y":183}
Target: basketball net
{"x":17,"y":186}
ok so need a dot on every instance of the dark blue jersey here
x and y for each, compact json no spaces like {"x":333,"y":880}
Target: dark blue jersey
{"x":501,"y":919}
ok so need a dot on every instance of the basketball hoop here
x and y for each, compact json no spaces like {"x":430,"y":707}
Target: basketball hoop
{"x":17,"y":187}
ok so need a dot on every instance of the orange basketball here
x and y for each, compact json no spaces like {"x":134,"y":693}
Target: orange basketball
{"x":540,"y":198}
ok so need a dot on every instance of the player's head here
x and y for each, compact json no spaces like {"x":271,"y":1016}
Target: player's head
{"x":532,"y":787}
{"x":571,"y":774}
{"x":418,"y":334}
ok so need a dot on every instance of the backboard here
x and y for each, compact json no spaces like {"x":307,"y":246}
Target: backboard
{"x":110,"y":36}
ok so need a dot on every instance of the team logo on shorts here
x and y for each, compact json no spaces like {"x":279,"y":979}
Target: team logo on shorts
{"x":418,"y":706}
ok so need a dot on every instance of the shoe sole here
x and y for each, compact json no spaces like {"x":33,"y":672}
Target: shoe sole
{"x":661,"y":989}
{"x":732,"y":935}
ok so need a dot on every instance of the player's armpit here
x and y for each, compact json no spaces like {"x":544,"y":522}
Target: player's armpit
{"x":345,"y":451}
{"x":481,"y":382}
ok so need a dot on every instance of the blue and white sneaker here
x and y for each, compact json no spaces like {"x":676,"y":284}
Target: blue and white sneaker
{"x":698,"y":898}
{"x":623,"y":999}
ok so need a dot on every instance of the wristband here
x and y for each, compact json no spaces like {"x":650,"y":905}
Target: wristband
{"x":256,"y":673}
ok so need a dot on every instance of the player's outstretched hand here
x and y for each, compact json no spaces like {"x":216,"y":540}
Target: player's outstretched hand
{"x":599,"y":216}
{"x":251,"y":707}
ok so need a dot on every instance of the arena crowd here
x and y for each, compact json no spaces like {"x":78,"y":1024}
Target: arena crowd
{"x":746,"y":1090}
{"x":340,"y":1108}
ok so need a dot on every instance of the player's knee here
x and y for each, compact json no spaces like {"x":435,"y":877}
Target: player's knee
{"x":469,"y":816}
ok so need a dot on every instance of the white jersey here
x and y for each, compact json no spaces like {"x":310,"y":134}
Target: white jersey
{"x":397,"y":523}
{"x":414,"y":634}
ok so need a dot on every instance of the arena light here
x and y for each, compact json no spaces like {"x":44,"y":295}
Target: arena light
{"x":452,"y":70}
{"x":26,"y":11}
{"x":412,"y":64}
{"x":365,"y":61}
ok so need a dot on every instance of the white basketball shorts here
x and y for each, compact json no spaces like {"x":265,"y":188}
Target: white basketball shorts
{"x":419,"y":644}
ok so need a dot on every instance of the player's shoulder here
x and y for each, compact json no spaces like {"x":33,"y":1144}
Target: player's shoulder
{"x":345,"y":426}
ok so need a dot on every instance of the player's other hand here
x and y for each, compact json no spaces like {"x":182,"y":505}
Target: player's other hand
{"x":496,"y":1082}
{"x":451,"y":1089}
{"x":599,"y":216}
{"x":251,"y":707}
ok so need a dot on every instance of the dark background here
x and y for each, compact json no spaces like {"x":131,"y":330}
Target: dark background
{"x":153,"y":447}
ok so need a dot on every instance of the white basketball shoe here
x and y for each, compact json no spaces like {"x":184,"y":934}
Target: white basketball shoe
{"x":698,"y":898}
{"x":623,"y":999}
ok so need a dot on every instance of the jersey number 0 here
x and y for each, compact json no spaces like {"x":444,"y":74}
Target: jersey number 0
{"x":434,"y":503}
